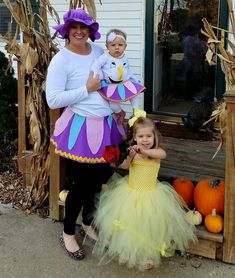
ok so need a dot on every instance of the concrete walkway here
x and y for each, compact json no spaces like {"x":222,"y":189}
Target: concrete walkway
{"x":29,"y":248}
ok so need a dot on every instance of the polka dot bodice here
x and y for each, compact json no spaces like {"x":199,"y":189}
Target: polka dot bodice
{"x":143,"y":174}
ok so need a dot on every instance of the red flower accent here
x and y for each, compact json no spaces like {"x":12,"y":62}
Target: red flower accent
{"x":111,"y":154}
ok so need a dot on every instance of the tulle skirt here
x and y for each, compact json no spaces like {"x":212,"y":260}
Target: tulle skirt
{"x":136,"y":226}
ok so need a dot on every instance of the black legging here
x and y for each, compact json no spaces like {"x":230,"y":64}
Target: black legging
{"x":87,"y":181}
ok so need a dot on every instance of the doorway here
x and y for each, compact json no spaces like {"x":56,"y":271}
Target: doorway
{"x":181,"y":75}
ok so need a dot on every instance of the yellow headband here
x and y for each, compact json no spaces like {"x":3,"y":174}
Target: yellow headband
{"x":137,"y":114}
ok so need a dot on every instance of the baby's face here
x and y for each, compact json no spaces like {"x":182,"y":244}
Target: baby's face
{"x":118,"y":70}
{"x":117,"y":47}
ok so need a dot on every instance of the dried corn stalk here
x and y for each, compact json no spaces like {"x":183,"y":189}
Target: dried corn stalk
{"x":34,"y":56}
{"x":216,"y":48}
{"x":219,"y":115}
{"x":89,"y":5}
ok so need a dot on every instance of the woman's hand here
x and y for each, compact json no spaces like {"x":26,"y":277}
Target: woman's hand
{"x":93,"y":83}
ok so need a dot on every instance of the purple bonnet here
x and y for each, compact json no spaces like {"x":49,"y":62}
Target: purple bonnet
{"x":78,"y":15}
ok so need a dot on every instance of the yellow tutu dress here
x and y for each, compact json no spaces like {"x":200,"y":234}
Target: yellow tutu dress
{"x":140,"y":218}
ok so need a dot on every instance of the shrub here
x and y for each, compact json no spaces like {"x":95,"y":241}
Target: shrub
{"x":8,"y":114}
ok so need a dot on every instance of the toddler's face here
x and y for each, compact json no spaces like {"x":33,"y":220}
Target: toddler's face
{"x":117,"y":47}
{"x":144,"y":137}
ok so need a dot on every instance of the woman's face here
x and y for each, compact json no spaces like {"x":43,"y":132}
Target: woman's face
{"x":78,"y":33}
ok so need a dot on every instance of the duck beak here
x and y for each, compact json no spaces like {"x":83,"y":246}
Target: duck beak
{"x":120,"y":72}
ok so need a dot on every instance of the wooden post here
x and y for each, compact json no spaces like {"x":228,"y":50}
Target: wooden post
{"x":56,"y":173}
{"x":229,"y":213}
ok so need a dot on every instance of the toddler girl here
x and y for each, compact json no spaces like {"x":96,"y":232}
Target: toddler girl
{"x":140,"y":218}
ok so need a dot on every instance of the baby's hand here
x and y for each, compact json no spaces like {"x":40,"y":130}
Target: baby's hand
{"x":93,"y":82}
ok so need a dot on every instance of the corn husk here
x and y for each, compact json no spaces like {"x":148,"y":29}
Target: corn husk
{"x":219,"y":115}
{"x":216,"y":48}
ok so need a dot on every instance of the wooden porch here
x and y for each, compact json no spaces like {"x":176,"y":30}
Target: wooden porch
{"x":192,"y":159}
{"x":189,"y":153}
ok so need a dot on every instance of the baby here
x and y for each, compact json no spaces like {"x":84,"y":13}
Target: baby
{"x":119,"y":84}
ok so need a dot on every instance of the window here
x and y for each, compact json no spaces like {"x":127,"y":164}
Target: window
{"x":175,"y":54}
{"x":7,"y":23}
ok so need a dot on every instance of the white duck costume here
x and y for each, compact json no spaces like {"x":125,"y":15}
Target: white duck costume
{"x":119,"y":84}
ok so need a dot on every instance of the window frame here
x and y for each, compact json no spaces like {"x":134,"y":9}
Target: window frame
{"x":149,"y":52}
{"x":7,"y":23}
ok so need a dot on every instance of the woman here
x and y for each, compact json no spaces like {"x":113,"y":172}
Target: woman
{"x":87,"y":124}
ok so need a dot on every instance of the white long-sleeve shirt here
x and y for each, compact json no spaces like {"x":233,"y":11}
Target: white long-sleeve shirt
{"x":66,"y":84}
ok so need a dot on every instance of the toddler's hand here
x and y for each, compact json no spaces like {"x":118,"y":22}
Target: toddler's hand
{"x":132,"y":152}
{"x":137,"y":148}
{"x":93,"y":82}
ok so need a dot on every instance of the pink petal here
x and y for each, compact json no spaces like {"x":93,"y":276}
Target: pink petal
{"x":111,"y":89}
{"x":130,"y":86}
{"x":62,"y":122}
{"x":95,"y":133}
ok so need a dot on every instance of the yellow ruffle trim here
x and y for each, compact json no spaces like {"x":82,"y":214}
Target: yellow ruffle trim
{"x":75,"y":157}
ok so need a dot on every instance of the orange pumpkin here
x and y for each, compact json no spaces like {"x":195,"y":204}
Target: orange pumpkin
{"x":209,"y":194}
{"x":214,"y":222}
{"x":185,"y":188}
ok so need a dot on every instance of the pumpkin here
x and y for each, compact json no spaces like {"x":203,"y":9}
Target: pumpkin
{"x":185,"y":188}
{"x":209,"y":194}
{"x":214,"y":222}
{"x":194,"y":216}
{"x":63,"y":194}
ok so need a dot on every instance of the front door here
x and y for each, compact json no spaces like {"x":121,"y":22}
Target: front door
{"x":181,"y":75}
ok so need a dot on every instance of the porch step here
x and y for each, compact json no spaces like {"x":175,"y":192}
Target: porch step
{"x":209,"y":245}
{"x":202,"y":233}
